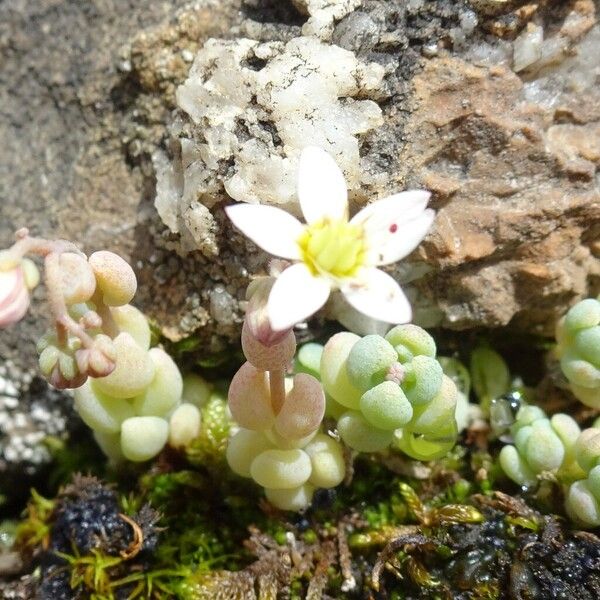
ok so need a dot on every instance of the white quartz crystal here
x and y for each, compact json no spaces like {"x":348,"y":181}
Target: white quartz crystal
{"x":252,"y":108}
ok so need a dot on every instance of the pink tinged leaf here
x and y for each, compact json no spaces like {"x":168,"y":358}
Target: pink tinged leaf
{"x":322,"y":188}
{"x":303,"y":409}
{"x":14,"y":297}
{"x":378,"y":296}
{"x":268,"y":358}
{"x":296,"y":295}
{"x":270,"y":228}
{"x":249,"y":398}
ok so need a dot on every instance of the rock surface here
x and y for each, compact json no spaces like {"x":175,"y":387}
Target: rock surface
{"x":435,"y":102}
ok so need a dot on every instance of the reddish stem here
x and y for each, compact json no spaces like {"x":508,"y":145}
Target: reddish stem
{"x":277,"y":385}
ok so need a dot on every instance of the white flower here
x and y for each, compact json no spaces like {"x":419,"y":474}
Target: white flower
{"x":330,"y":252}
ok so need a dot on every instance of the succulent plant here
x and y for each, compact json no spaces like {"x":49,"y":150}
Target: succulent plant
{"x":392,"y":390}
{"x":279,"y":443}
{"x":578,"y":348}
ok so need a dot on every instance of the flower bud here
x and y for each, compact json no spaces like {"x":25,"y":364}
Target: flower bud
{"x":99,"y":360}
{"x":268,"y":358}
{"x":14,"y":296}
{"x":257,"y":319}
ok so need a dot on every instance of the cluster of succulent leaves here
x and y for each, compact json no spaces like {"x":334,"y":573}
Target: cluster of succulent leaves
{"x":578,"y":348}
{"x":389,"y":390}
{"x":279,"y":443}
{"x":127,"y":410}
{"x":542,"y":445}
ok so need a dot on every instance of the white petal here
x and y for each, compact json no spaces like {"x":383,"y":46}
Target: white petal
{"x":355,"y":321}
{"x":389,"y":245}
{"x":378,"y":296}
{"x":321,"y":186}
{"x":395,"y":226}
{"x":273,"y":229}
{"x":399,"y":207}
{"x":296,"y":295}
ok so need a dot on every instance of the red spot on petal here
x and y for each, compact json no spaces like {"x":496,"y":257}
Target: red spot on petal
{"x":393,"y":228}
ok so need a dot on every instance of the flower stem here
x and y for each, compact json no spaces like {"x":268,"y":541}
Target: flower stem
{"x":63,"y":321}
{"x":109,"y":325}
{"x":277,"y":385}
{"x":40,"y":246}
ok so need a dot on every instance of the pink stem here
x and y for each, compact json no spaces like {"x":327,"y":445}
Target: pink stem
{"x":63,"y":321}
{"x":31,"y":245}
{"x":277,"y":385}
{"x":109,"y":325}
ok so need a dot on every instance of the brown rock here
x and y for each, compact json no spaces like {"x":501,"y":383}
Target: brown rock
{"x":513,"y":244}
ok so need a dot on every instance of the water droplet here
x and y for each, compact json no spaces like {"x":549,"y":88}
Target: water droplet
{"x":503,"y":411}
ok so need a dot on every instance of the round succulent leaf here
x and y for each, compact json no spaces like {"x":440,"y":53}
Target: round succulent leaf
{"x":425,"y":380}
{"x":327,"y":460}
{"x":360,"y":435}
{"x":77,"y":278}
{"x":293,"y":499}
{"x":133,"y":372}
{"x":334,"y":375}
{"x":249,"y":398}
{"x":164,"y":391}
{"x":243,"y":447}
{"x":385,"y":406}
{"x":588,"y":396}
{"x":579,"y":371}
{"x":99,"y":411}
{"x":184,"y":425}
{"x":584,"y":314}
{"x":303,"y":408}
{"x":142,"y":438}
{"x":521,"y":438}
{"x":593,"y":482}
{"x":526,"y":415}
{"x":308,"y":359}
{"x":369,"y":361}
{"x":515,"y":467}
{"x":587,"y":344}
{"x":427,"y":446}
{"x":114,"y":277}
{"x":587,"y":448}
{"x":132,"y":321}
{"x":581,"y":505}
{"x":544,"y":450}
{"x":567,"y":429}
{"x":276,"y":357}
{"x":409,"y":341}
{"x":281,"y":469}
{"x":429,"y":418}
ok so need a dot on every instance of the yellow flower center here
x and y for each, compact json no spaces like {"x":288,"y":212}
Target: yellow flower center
{"x":336,"y":248}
